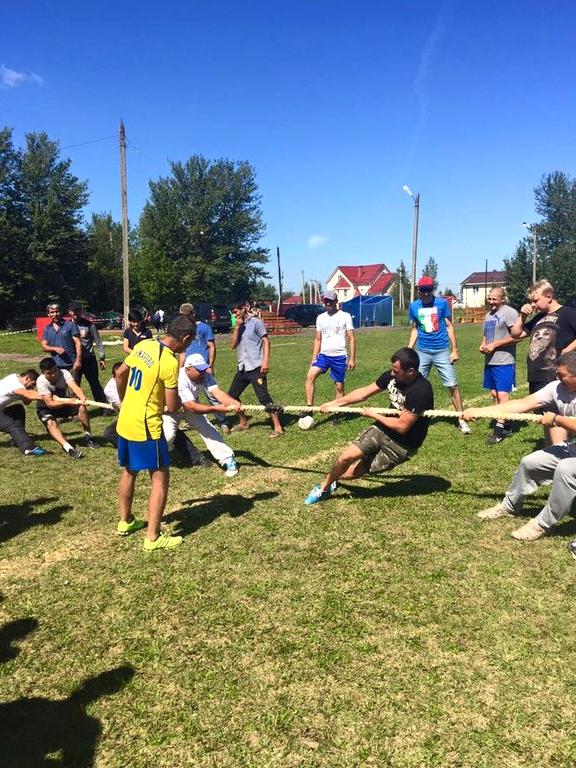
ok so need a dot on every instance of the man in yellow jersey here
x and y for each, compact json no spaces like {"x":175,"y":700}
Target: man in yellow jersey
{"x":147,"y":385}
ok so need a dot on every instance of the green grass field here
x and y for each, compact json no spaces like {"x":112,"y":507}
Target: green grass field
{"x":387,"y":626}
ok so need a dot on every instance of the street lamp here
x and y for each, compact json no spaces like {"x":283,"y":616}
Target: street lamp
{"x":532,"y":229}
{"x":416,"y":198}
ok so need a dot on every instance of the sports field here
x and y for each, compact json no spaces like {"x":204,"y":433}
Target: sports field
{"x":387,"y":626}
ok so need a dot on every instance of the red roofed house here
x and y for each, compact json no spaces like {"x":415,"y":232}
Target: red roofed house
{"x":366,"y":280}
{"x":477,"y":286}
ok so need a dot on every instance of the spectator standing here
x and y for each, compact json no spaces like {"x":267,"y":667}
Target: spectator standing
{"x":499,"y":350}
{"x":434,"y":334}
{"x":90,"y":341}
{"x":552,"y":331}
{"x":15,"y":388}
{"x":61,"y":338}
{"x":136,"y":331}
{"x":333,"y":329}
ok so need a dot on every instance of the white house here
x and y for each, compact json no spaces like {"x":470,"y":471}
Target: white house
{"x":476,"y":287}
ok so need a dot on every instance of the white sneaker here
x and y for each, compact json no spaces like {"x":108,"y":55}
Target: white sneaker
{"x":230,"y":467}
{"x":493,"y":513}
{"x":463,"y":427}
{"x":531,"y":531}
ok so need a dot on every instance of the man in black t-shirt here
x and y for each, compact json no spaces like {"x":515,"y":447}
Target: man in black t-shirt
{"x":391,"y":440}
{"x":552,"y":331}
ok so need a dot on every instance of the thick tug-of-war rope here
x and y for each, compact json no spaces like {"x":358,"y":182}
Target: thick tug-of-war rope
{"x":438,"y":414}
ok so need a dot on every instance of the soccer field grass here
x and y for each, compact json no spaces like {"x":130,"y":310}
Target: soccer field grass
{"x":387,"y":626}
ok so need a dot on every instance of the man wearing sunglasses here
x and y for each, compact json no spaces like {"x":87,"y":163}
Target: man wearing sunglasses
{"x":434,"y":334}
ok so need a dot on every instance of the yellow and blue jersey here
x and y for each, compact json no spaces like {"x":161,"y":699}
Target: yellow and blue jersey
{"x":153,"y":368}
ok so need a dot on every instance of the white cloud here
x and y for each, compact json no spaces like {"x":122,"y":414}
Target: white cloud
{"x":315,"y":241}
{"x":10,"y":78}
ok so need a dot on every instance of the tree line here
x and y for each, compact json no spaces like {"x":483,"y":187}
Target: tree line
{"x":197,"y":237}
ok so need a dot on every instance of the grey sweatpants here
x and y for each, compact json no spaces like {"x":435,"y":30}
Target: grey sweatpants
{"x":556,"y":463}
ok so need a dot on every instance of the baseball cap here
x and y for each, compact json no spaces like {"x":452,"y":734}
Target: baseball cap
{"x":196,"y":361}
{"x":426,"y":282}
{"x":186,"y":308}
{"x":330,"y":296}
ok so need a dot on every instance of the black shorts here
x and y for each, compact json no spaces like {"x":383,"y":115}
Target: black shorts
{"x":380,"y":451}
{"x":243,"y":378}
{"x":46,"y":414}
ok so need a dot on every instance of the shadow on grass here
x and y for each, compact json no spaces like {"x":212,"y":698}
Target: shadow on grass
{"x":12,"y":631}
{"x":16,"y":518}
{"x":38,"y":731}
{"x":399,"y":485}
{"x":204,"y":511}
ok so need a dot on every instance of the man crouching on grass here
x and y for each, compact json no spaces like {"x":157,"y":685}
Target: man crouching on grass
{"x":147,"y":385}
{"x":556,"y":462}
{"x":391,"y":440}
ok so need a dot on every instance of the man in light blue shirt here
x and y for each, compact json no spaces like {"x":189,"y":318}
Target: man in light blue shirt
{"x":252,"y":345}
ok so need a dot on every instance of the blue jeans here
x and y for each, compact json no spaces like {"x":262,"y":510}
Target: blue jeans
{"x":441,"y":361}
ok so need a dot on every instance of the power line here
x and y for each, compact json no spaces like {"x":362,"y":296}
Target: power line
{"x":91,"y":141}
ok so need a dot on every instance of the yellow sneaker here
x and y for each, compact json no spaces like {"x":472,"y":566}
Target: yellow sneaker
{"x":124,"y":528}
{"x":162,"y":542}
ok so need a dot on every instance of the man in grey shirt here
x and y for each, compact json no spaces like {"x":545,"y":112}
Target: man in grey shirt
{"x":499,"y":350}
{"x":252,"y":345}
{"x":556,"y":463}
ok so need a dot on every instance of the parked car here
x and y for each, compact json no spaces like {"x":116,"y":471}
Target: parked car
{"x":304,"y":314}
{"x":216,"y":315}
{"x":113,"y":319}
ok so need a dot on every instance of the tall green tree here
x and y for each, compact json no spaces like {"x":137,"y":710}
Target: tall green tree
{"x":12,"y":224}
{"x":104,"y":261}
{"x":199,"y":234}
{"x":430,"y":269}
{"x":401,"y":289}
{"x":518,"y":271}
{"x":53,"y":200}
{"x":42,"y":243}
{"x":555,"y":199}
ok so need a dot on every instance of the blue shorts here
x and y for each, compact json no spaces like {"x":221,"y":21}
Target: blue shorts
{"x":336,"y":365}
{"x":499,"y":377}
{"x":441,"y":361}
{"x":136,"y":455}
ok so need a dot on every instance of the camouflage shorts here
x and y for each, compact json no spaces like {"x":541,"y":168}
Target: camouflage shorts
{"x":380,"y":451}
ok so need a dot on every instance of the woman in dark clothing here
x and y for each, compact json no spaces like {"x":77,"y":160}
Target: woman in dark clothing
{"x":136,"y":331}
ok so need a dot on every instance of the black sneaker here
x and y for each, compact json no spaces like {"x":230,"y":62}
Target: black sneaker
{"x":89,"y":442}
{"x":74,"y":453}
{"x":498,"y":435}
{"x":572,"y":549}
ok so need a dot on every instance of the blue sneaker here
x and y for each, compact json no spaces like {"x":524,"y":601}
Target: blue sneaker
{"x":36,"y":451}
{"x":231,"y":467}
{"x":317,"y":494}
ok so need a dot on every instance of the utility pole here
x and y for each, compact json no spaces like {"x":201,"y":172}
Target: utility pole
{"x":125,"y":270}
{"x":303,"y":289}
{"x":279,"y":281}
{"x":415,"y":246}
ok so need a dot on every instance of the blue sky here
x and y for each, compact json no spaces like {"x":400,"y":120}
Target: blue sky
{"x":335,"y":104}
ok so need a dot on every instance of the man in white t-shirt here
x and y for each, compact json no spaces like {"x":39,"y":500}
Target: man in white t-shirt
{"x":333,"y":329}
{"x":192,"y":381}
{"x":556,"y":463}
{"x":15,"y":388}
{"x":53,"y":384}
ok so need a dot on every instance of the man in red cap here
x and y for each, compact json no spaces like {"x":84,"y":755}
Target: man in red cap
{"x":433,"y":330}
